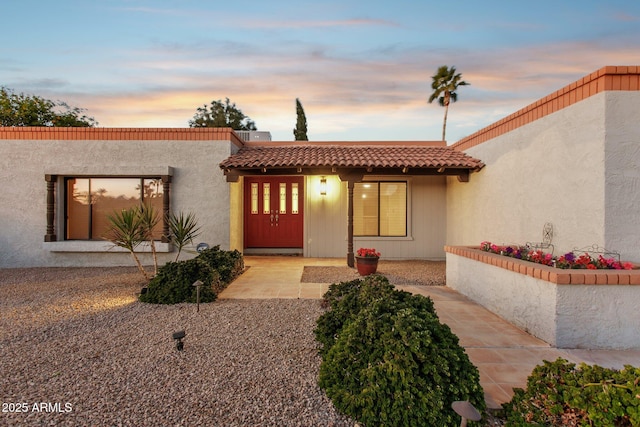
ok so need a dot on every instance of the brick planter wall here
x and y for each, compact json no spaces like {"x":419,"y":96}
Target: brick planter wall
{"x":567,"y":308}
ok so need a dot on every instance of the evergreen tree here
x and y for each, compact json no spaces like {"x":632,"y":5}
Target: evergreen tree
{"x":300,"y":132}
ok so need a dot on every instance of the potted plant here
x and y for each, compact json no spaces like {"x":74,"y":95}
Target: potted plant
{"x":367,"y":261}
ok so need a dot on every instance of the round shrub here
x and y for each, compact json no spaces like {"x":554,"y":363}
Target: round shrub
{"x":346,"y":299}
{"x":560,"y":394}
{"x":174,"y":283}
{"x":396,"y":364}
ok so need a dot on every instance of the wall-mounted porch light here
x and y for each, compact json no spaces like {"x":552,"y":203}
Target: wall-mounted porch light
{"x":323,"y":186}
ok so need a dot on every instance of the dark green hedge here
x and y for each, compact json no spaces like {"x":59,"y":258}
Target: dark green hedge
{"x":229,"y":264}
{"x":387,"y":359}
{"x":173,"y":284}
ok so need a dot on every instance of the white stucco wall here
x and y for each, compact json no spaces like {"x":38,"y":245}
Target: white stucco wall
{"x":596,"y":316}
{"x":326,"y":221}
{"x":622,"y":181}
{"x":528,"y":303}
{"x":565,"y":316}
{"x":575,"y":168}
{"x":198,"y":186}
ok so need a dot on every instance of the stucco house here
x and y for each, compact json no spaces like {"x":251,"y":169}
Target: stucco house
{"x":570,"y":159}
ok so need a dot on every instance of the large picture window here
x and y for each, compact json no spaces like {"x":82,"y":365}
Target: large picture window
{"x":380,"y":208}
{"x":88,"y":201}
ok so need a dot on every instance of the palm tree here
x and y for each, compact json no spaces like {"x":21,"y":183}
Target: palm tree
{"x":444,"y":85}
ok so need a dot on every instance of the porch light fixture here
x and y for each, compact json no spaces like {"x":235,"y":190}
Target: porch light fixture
{"x":323,"y":186}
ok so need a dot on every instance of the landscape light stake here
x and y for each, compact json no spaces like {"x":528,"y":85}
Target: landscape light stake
{"x":467,"y":411}
{"x":178,"y":336}
{"x":198,"y":284}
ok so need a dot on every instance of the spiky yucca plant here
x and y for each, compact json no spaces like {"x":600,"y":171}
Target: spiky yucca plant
{"x":126,"y":230}
{"x":182,"y":230}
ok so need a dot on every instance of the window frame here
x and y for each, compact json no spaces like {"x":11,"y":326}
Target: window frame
{"x":54,"y":238}
{"x":66,"y":195}
{"x":408,"y":231}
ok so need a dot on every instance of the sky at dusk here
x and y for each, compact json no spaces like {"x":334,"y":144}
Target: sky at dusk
{"x":361,"y":69}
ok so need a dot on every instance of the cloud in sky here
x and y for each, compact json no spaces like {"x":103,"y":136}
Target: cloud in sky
{"x":360,"y":73}
{"x":354,"y":22}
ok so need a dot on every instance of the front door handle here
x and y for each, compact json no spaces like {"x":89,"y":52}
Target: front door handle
{"x":277,"y":218}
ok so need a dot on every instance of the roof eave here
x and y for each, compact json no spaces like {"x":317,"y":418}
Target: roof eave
{"x":233,"y":173}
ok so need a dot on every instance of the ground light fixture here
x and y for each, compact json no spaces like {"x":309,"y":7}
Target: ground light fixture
{"x":178,"y":336}
{"x":323,"y":186}
{"x":197,"y":284}
{"x":466,"y":410}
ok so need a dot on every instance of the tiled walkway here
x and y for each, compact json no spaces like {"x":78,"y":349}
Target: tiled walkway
{"x":504,"y":354}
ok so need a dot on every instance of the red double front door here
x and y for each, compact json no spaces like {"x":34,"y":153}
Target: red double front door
{"x":273,"y":212}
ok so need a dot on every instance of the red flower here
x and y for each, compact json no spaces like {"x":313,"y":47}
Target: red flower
{"x":369,"y":253}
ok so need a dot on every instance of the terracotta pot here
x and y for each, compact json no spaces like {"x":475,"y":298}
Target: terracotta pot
{"x":366,"y":265}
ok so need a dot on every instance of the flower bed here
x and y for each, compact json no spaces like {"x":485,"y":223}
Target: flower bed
{"x":568,"y":308}
{"x":569,"y":260}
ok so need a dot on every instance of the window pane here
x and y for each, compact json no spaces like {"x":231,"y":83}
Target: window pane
{"x":91,"y":200}
{"x":365,"y":209}
{"x":283,"y":198}
{"x":109,"y":195}
{"x":294,"y":198}
{"x":266,"y":198}
{"x":153,"y":196}
{"x":380,"y":209}
{"x":78,"y":209}
{"x":153,"y":189}
{"x":254,"y":198}
{"x":393,"y":209}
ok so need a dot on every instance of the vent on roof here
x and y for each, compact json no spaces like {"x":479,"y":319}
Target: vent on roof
{"x":254,"y":135}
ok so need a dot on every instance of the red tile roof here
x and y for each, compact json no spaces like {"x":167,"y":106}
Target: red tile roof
{"x":364,"y":156}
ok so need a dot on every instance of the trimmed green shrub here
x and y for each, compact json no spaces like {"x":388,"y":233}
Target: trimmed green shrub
{"x":387,"y":359}
{"x":230,"y":264}
{"x":174,"y":283}
{"x":560,"y":394}
{"x":346,"y":299}
{"x":215,"y":268}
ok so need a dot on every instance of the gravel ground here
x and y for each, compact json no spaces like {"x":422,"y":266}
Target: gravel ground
{"x":412,"y":272}
{"x":78,"y":349}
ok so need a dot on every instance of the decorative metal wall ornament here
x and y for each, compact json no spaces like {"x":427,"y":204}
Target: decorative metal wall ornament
{"x":547,"y":237}
{"x":596,"y":249}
